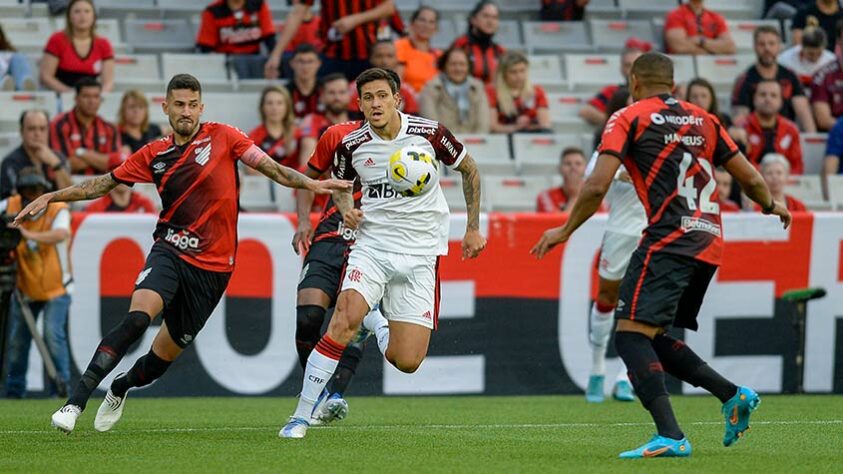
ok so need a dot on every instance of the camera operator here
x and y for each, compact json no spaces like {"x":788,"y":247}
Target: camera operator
{"x":43,"y":277}
{"x":34,"y":152}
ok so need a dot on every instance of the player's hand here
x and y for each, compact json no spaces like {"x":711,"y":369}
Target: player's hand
{"x":352,"y":219}
{"x":32,"y":209}
{"x":302,"y":239}
{"x":270,"y":69}
{"x":325,"y":186}
{"x":472,"y":244}
{"x":551,"y":238}
{"x":784,"y":215}
{"x":345,"y":24}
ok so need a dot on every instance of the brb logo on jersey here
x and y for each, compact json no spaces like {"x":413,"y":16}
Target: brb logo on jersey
{"x":182,"y":240}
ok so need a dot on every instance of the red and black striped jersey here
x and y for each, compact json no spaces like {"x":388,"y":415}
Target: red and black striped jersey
{"x":670,"y":149}
{"x":561,"y":10}
{"x":355,"y":44}
{"x":199,"y":187}
{"x":228,"y":31}
{"x":67,"y":135}
{"x":304,"y":105}
{"x":482,"y":59}
{"x":330,"y":225}
{"x":276,"y":147}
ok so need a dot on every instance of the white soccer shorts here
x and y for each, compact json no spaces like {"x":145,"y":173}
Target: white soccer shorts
{"x":406,"y":286}
{"x":615,"y":253}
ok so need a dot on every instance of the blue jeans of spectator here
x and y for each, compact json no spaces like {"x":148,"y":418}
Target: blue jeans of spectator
{"x":19,"y":70}
{"x":20,"y":339}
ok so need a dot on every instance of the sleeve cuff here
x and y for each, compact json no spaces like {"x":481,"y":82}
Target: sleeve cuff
{"x":459,"y":159}
{"x":118,"y":180}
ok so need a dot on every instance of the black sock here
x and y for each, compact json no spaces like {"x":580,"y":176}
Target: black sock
{"x":111,"y":350}
{"x":346,"y":368}
{"x":647,"y":376}
{"x":145,"y":371}
{"x":683,"y":363}
{"x":309,"y":319}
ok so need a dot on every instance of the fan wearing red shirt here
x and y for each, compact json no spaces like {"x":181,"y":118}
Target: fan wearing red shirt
{"x":384,"y":55}
{"x":775,"y":169}
{"x":77,"y":52}
{"x":348,"y":29}
{"x":277,"y":134}
{"x":236,"y":27}
{"x":515,"y":103}
{"x":91,"y":144}
{"x":594,"y":112}
{"x":483,"y":52}
{"x":123,"y":199}
{"x":692,"y":29}
{"x":188,"y":268}
{"x":304,"y":86}
{"x":770,"y":132}
{"x":572,"y":168}
{"x":669,"y":148}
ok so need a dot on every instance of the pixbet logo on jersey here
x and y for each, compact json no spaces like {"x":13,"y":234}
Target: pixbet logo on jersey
{"x":182,"y":240}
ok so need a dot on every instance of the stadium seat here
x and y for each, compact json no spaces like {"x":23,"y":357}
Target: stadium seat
{"x":159,"y":35}
{"x":27,"y":34}
{"x":239,"y":109}
{"x":8,"y":142}
{"x":452,"y":189}
{"x":538,"y":153}
{"x":835,"y":191}
{"x":564,"y":108}
{"x":211,"y":69}
{"x":285,"y":198}
{"x":108,"y":28}
{"x":109,"y":108}
{"x":813,"y":151}
{"x":136,"y":67}
{"x":611,"y":35}
{"x":128,"y":9}
{"x":646,"y":9}
{"x":554,"y":37}
{"x":742,"y":31}
{"x":509,"y":35}
{"x":546,"y":69}
{"x":514,"y":194}
{"x":604,"y":9}
{"x":256,"y":194}
{"x":684,"y":68}
{"x":16,"y":102}
{"x":722,"y":70}
{"x":446,"y":34}
{"x":737,"y":9}
{"x":12,"y":9}
{"x":591,"y":72}
{"x":491,"y":152}
{"x":806,"y":188}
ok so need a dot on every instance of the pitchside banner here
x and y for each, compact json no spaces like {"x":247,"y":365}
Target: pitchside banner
{"x":509,"y":324}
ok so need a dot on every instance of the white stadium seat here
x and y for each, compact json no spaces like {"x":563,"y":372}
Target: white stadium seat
{"x":239,"y":109}
{"x":546,"y":69}
{"x":684,"y":68}
{"x":446,"y":34}
{"x":539,"y":153}
{"x":564,"y":108}
{"x":13,"y":103}
{"x":556,"y":36}
{"x":806,"y":188}
{"x":136,"y":67}
{"x":611,"y":35}
{"x":514,"y":194}
{"x":8,"y":142}
{"x":256,"y":193}
{"x":509,"y":35}
{"x":813,"y":151}
{"x":646,"y":9}
{"x":722,"y":70}
{"x":159,"y":35}
{"x":209,"y":68}
{"x":27,"y":34}
{"x":490,"y":151}
{"x":591,"y":72}
{"x":835,"y":190}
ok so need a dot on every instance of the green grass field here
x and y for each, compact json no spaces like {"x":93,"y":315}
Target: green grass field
{"x":424,"y":434}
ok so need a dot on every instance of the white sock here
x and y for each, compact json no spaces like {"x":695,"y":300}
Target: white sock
{"x":623,"y":374}
{"x":375,"y":322}
{"x":601,"y":325}
{"x":320,"y":367}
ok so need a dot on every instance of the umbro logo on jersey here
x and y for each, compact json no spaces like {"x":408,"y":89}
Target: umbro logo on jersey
{"x":203,"y":155}
{"x":369,"y":162}
{"x":159,"y":167}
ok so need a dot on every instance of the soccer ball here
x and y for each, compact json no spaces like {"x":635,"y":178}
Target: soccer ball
{"x":412,"y":171}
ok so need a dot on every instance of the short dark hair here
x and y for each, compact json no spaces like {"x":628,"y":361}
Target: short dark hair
{"x":86,"y":82}
{"x":378,"y":74}
{"x":304,"y":48}
{"x":33,"y":111}
{"x":768,"y":29}
{"x":446,"y":56}
{"x":766,"y":81}
{"x":378,"y":43}
{"x":571,"y":150}
{"x":419,"y":10}
{"x":184,"y":81}
{"x":653,"y":68}
{"x":334,"y":76}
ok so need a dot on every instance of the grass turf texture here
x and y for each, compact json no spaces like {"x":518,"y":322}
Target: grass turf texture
{"x":424,"y":434}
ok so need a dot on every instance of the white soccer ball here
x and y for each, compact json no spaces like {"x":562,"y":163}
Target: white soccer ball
{"x":412,"y":171}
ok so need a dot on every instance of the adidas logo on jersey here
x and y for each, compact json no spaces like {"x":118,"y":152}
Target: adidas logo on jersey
{"x":369,"y":162}
{"x":203,"y":155}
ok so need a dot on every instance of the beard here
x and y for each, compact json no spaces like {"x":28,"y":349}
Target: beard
{"x":183,"y":128}
{"x":336,"y":109}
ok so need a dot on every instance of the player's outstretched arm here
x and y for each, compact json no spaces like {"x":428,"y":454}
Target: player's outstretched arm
{"x":304,"y":202}
{"x":755,"y":188}
{"x":351,"y":217}
{"x":259,"y":160}
{"x":473,"y":243}
{"x":88,"y":189}
{"x":588,"y":202}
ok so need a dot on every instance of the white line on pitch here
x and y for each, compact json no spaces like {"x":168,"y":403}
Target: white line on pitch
{"x":447,"y":427}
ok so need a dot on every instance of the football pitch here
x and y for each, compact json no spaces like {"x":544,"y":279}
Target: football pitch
{"x":418,"y":434}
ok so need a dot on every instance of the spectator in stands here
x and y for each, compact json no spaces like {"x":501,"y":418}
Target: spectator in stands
{"x":483,"y":52}
{"x":776,"y":170}
{"x":43,"y":275}
{"x":572,"y":168}
{"x":809,"y":57}
{"x":693,"y":29}
{"x":77,"y":52}
{"x":516,"y":104}
{"x":304,"y":85}
{"x":782,"y":9}
{"x":308,"y":32}
{"x":454,"y":98}
{"x":90,"y":142}
{"x":336,"y":101}
{"x":34,"y":153}
{"x":833,"y":153}
{"x":415,"y":54}
{"x":620,"y":99}
{"x":724,"y":190}
{"x":276,"y":135}
{"x":383,"y":55}
{"x":15,"y":73}
{"x":133,"y":121}
{"x":347,"y":29}
{"x":795,"y":105}
{"x":826,"y":13}
{"x":770,"y":132}
{"x":701,"y":93}
{"x":562,"y":10}
{"x":827,"y":90}
{"x":594,"y":112}
{"x":237,"y":28}
{"x":123,"y":199}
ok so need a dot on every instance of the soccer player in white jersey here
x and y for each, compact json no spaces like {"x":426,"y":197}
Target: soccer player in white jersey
{"x":627,"y":220}
{"x":395,"y":259}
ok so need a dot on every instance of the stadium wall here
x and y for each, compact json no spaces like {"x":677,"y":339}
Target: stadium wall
{"x":509,"y":324}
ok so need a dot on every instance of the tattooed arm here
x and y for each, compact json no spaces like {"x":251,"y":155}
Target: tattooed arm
{"x":344,"y":199}
{"x":473,"y":242}
{"x":257,"y":159}
{"x":88,"y":189}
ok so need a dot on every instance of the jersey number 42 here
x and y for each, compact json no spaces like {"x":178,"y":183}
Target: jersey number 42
{"x":686,"y":188}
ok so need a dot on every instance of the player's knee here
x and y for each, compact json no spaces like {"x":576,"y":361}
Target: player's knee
{"x":407,"y":363}
{"x":309,"y":319}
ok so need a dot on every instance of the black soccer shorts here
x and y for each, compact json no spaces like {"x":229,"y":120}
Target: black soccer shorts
{"x":190,"y":293}
{"x":666,"y":290}
{"x":323,"y":268}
